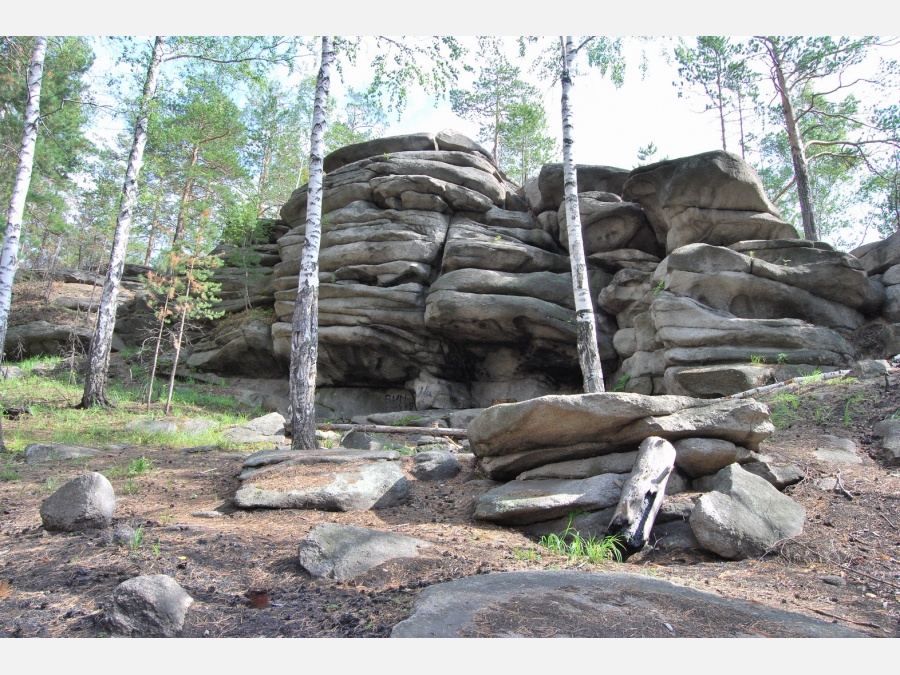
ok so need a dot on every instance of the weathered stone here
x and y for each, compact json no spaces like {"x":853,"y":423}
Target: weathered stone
{"x":371,"y":486}
{"x":779,"y":475}
{"x":706,"y":456}
{"x":41,"y":338}
{"x":529,"y":501}
{"x":744,"y":515}
{"x":435,"y":465}
{"x":343,"y":552}
{"x":633,"y":604}
{"x":836,"y":450}
{"x":714,"y":197}
{"x":268,"y":428}
{"x":152,"y":605}
{"x":889,"y":432}
{"x":512,"y":438}
{"x":358,"y":440}
{"x":545,"y":191}
{"x":617,"y":462}
{"x":35,"y":453}
{"x":878,"y":257}
{"x":84,"y":503}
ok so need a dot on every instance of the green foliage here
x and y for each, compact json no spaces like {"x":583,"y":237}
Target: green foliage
{"x":509,"y":112}
{"x":137,"y":539}
{"x":784,"y":409}
{"x":139,"y":466}
{"x":62,"y":142}
{"x":622,"y":383}
{"x":849,"y":408}
{"x":530,"y":554}
{"x":757,"y":360}
{"x":660,"y":287}
{"x":782,"y":358}
{"x":9,"y":474}
{"x":718,"y":67}
{"x":570,"y":543}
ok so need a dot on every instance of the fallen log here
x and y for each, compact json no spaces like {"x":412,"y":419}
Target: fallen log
{"x":643,"y":493}
{"x":382,"y":429}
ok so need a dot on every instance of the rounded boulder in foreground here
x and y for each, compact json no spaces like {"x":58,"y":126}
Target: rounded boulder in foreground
{"x":84,"y":503}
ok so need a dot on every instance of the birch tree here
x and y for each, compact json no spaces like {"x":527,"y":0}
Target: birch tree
{"x":398,"y":64}
{"x":236,"y":52}
{"x":101,"y":344}
{"x":305,"y":322}
{"x":585,"y":321}
{"x":9,"y":257}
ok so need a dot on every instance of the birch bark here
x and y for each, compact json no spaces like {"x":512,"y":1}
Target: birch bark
{"x":304,"y":330}
{"x":98,"y":357}
{"x":585,"y":324}
{"x":9,"y":258}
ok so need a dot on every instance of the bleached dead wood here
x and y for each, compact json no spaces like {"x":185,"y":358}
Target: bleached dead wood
{"x":643,"y":493}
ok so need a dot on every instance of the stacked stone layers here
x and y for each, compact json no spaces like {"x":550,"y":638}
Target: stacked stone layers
{"x":434,"y":276}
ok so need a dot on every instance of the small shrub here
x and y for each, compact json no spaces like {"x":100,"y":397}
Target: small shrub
{"x":782,"y":358}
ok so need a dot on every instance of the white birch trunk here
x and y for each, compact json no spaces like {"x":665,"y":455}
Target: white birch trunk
{"x":98,"y":357}
{"x":305,"y":326}
{"x":9,"y":259}
{"x":585,"y":325}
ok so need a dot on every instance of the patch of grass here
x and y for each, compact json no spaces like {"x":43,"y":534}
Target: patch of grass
{"x":848,"y":408}
{"x":784,"y":409}
{"x":571,"y":544}
{"x":757,"y":360}
{"x":406,"y":420}
{"x":139,"y":466}
{"x":622,"y":383}
{"x":130,"y":487}
{"x":51,"y":483}
{"x":529,"y":553}
{"x":137,"y":538}
{"x":9,"y":474}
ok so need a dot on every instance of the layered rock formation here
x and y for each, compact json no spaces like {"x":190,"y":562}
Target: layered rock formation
{"x":434,"y":278}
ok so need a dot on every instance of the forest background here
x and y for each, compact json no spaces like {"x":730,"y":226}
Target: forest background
{"x":227,"y":145}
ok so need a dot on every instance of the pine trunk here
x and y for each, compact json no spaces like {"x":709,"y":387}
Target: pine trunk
{"x":98,"y":357}
{"x":798,"y":152}
{"x":9,"y":259}
{"x":304,"y":330}
{"x":185,"y":197}
{"x":585,"y":324}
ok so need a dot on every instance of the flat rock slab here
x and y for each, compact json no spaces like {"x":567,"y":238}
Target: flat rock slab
{"x":346,"y":551}
{"x":369,"y":486}
{"x":836,"y":450}
{"x":285,"y":454}
{"x":36,"y":453}
{"x":267,"y":461}
{"x":189,"y":427}
{"x":515,"y":437}
{"x":522,"y":502}
{"x":589,"y":605}
{"x":265,"y":429}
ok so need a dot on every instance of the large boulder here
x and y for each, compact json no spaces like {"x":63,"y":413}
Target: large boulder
{"x":84,"y":503}
{"x":714,"y":197}
{"x":744,"y":515}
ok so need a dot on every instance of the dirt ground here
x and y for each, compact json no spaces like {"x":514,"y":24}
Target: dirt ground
{"x":844,"y":568}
